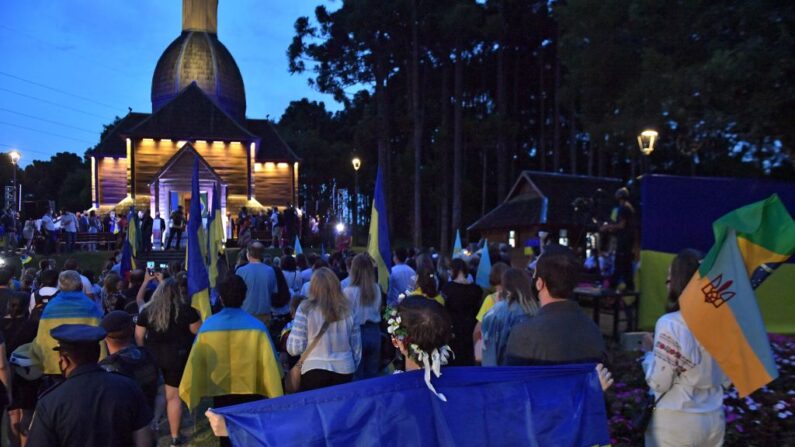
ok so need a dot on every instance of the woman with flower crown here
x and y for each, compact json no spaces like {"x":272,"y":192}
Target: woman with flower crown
{"x":420,"y":330}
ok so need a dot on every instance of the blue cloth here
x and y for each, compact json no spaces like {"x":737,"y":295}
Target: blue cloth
{"x":522,"y":406}
{"x":401,"y":279}
{"x":261,"y":285}
{"x":496,"y":327}
{"x":371,"y":351}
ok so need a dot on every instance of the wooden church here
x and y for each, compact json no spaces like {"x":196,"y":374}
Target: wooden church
{"x":198,"y":108}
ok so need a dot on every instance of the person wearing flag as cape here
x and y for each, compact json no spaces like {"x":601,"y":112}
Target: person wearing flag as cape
{"x":248,"y":372}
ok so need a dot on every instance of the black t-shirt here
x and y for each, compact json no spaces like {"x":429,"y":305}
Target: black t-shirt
{"x":177,"y":220}
{"x":177,"y":332}
{"x":14,"y":333}
{"x":462,"y":302}
{"x":626,"y":213}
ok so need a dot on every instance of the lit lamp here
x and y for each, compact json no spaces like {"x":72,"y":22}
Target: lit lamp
{"x":646,"y":141}
{"x":357,"y":164}
{"x":15,"y":156}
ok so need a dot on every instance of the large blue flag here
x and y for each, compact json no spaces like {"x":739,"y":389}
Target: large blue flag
{"x":378,"y":245}
{"x":198,"y":279}
{"x":457,"y":245}
{"x":484,"y":267}
{"x":297,"y":249}
{"x":517,"y":406}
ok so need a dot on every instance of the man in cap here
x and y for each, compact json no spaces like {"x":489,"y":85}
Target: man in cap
{"x":91,"y":407}
{"x":127,"y":359}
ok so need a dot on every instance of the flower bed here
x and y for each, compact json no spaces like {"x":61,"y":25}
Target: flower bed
{"x":765,"y":418}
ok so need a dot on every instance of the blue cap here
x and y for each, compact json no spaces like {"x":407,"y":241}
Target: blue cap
{"x":77,"y":334}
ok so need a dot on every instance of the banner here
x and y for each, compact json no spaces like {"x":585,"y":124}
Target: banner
{"x":518,"y":406}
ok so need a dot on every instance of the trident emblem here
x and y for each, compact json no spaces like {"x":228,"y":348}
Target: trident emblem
{"x":717,"y":293}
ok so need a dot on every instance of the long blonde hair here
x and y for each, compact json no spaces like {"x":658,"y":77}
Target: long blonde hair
{"x":363,"y":277}
{"x":325,"y":293}
{"x":517,"y":285}
{"x":166,"y":297}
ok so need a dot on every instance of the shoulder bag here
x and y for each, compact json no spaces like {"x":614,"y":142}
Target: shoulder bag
{"x":292,"y":381}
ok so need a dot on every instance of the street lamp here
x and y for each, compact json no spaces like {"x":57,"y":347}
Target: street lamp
{"x":357,"y":164}
{"x":15,"y":156}
{"x":646,"y":141}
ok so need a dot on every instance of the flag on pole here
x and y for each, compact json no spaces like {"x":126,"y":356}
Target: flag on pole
{"x":457,"y":245}
{"x":129,"y":250}
{"x":484,"y":267}
{"x":298,"y":250}
{"x":719,"y":304}
{"x":198,"y":280}
{"x":378,"y":244}
{"x":215,"y":236}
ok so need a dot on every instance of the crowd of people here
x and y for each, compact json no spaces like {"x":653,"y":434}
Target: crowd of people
{"x":313,"y":321}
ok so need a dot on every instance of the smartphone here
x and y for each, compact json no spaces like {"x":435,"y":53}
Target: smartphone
{"x":150,"y":268}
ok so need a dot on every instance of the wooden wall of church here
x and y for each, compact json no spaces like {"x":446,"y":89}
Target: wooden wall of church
{"x":229,"y":160}
{"x":112,"y":180}
{"x":273,"y":184}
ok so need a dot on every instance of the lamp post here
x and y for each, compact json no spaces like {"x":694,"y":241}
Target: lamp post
{"x":357,"y":164}
{"x":646,"y":141}
{"x":15,"y":156}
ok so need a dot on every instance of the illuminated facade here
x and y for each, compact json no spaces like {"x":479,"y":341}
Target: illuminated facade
{"x":198,"y":108}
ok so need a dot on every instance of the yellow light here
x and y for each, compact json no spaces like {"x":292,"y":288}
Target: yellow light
{"x":181,"y":143}
{"x":235,"y":143}
{"x":146,"y":140}
{"x":257,"y":167}
{"x":199,"y":142}
{"x":357,"y":163}
{"x":646,"y":141}
{"x":282,"y":165}
{"x":270,"y":165}
{"x":218,"y":143}
{"x":165,"y":141}
{"x":15,"y":156}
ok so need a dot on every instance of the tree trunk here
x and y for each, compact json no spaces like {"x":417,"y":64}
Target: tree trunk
{"x":502,"y":114}
{"x":443,"y":143}
{"x":556,"y":107}
{"x":458,"y":134}
{"x":484,"y":188}
{"x":417,"y":117}
{"x":382,"y":115}
{"x":573,"y":135}
{"x":542,"y":153}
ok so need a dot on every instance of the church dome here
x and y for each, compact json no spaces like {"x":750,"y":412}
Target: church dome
{"x":199,"y":56}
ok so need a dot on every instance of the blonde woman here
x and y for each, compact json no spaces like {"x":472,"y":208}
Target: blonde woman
{"x":167,"y":326}
{"x":365,"y":297}
{"x":328,"y":316}
{"x":518,"y":306}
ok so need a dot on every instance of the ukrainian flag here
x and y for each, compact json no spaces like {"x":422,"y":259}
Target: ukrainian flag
{"x":484,"y":267}
{"x":65,"y":308}
{"x":378,"y":245}
{"x":198,"y":279}
{"x":719,"y":305}
{"x":215,"y":240}
{"x":232,"y":354}
{"x":129,"y":249}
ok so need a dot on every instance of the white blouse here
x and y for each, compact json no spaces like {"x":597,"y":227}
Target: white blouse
{"x":679,"y":365}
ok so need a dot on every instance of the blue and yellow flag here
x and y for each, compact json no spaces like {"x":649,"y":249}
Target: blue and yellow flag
{"x":560,"y":405}
{"x":198,"y":279}
{"x":297,"y":248}
{"x":378,"y":245}
{"x":215,"y":236}
{"x":130,"y":248}
{"x":232,"y":354}
{"x":484,"y":267}
{"x":719,"y":304}
{"x":457,"y":245}
{"x":65,"y":308}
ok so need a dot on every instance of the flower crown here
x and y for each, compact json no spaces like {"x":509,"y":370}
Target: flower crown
{"x":431,"y":362}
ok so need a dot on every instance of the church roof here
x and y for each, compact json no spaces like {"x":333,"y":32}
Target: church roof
{"x":271,"y":147}
{"x":192,"y":115}
{"x":113,"y":145}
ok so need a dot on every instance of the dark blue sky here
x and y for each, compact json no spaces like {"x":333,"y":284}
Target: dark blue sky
{"x":89,"y":60}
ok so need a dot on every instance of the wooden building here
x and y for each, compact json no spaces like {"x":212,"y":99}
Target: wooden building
{"x":566,"y":206}
{"x":198,"y":109}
